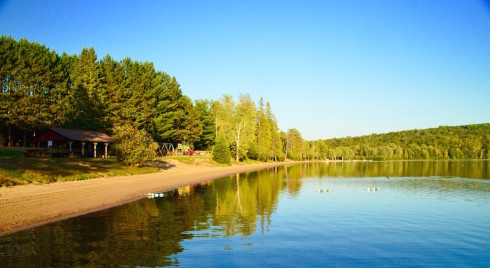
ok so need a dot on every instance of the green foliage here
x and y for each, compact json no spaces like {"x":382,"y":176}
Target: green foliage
{"x":39,"y":89}
{"x":237,"y":121}
{"x":221,"y":152}
{"x":133,"y":146}
{"x":294,"y":144}
{"x":207,"y":137}
{"x":252,"y":152}
{"x":459,"y":142}
{"x":263,"y":133}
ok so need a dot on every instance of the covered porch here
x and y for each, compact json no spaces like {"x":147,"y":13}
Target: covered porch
{"x":71,"y":143}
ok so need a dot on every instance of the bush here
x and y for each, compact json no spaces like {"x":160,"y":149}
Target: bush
{"x":252,"y":152}
{"x":134,"y":147}
{"x":221,"y":152}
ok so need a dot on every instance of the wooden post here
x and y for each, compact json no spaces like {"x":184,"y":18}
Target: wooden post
{"x":83,"y":148}
{"x":69,"y":144}
{"x":95,"y":149}
{"x":106,"y":144}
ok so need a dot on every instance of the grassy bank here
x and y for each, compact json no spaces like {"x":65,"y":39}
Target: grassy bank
{"x":15,"y":169}
{"x":203,"y":160}
{"x":206,"y":160}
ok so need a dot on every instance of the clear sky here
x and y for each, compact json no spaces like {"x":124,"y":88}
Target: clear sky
{"x":328,"y":68}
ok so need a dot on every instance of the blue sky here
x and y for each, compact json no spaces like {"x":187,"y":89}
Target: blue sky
{"x":328,"y":68}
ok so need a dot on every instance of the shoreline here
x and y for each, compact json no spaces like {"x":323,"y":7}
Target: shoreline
{"x":28,"y":206}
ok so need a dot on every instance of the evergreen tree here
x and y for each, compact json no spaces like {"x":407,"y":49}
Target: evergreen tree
{"x":294,"y":145}
{"x":206,"y":140}
{"x":221,"y":152}
{"x":275,"y":146}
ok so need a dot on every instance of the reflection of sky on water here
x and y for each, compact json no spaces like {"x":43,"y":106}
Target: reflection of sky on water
{"x":408,"y":221}
{"x":424,"y":215}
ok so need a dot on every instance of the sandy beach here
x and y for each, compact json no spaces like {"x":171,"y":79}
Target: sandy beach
{"x":27,"y":206}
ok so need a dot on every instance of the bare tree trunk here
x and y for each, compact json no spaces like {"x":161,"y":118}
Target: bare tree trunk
{"x":287,"y":143}
{"x":216,"y":126}
{"x":24,"y":138}
{"x":237,"y":140}
{"x":10,"y":137}
{"x":237,"y":146}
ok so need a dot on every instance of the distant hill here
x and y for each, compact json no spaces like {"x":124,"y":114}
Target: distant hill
{"x":444,"y":142}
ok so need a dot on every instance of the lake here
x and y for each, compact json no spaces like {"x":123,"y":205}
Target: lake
{"x":394,"y":213}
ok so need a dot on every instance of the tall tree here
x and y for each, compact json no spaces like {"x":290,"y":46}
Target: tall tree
{"x":86,"y":94}
{"x":294,"y":145}
{"x":263,"y":133}
{"x":206,"y":140}
{"x":276,"y":144}
{"x":241,"y":123}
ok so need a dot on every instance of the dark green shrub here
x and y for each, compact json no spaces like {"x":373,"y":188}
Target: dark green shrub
{"x":133,"y":146}
{"x":221,"y":152}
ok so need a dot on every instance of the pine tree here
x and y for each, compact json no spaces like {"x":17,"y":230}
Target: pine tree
{"x":276,"y":151}
{"x":221,"y":152}
{"x":207,"y":138}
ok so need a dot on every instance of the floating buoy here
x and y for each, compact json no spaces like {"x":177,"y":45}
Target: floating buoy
{"x":153,"y":195}
{"x":373,"y":189}
{"x":324,"y":190}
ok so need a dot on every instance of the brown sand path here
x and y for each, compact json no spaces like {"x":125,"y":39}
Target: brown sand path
{"x":27,"y":206}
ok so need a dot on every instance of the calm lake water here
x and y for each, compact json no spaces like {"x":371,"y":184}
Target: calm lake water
{"x":402,"y":213}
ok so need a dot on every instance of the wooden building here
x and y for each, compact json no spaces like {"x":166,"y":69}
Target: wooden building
{"x":74,"y":142}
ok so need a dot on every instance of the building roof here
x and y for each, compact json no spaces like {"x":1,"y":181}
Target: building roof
{"x":75,"y":135}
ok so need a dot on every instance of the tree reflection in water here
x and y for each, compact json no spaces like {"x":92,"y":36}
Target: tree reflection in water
{"x":150,"y":232}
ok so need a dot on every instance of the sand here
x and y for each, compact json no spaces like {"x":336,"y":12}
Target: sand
{"x":27,"y":206}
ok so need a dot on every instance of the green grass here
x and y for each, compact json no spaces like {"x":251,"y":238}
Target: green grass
{"x":205,"y":160}
{"x":15,"y":169}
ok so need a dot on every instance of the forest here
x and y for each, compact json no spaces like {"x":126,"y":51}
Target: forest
{"x":444,"y":142}
{"x":40,"y":89}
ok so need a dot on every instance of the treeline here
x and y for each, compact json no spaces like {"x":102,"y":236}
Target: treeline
{"x":458,"y":142}
{"x":445,"y":142}
{"x":40,"y":88}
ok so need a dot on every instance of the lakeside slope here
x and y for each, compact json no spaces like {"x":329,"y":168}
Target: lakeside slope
{"x":27,"y":206}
